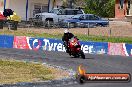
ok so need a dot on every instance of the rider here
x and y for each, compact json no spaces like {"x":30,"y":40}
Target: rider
{"x":67,"y":35}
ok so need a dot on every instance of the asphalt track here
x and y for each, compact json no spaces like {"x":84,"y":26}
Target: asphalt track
{"x":92,"y":63}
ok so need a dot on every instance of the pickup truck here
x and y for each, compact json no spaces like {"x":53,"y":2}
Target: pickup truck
{"x":57,"y":15}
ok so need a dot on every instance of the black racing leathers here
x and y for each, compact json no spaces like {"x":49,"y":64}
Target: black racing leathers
{"x":65,"y":40}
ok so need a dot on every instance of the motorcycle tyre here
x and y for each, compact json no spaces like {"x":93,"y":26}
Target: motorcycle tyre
{"x":82,"y":54}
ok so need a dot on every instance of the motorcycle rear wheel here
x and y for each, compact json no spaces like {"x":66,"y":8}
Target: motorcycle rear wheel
{"x":82,"y":54}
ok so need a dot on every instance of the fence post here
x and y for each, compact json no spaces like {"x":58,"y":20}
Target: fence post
{"x":9,"y":26}
{"x":68,"y":26}
{"x":109,"y":28}
{"x":110,"y":32}
{"x":48,"y":24}
{"x":88,"y":29}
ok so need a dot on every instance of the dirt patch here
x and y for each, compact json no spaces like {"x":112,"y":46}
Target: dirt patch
{"x":116,"y":29}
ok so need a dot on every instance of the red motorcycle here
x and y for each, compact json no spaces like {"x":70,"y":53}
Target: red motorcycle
{"x":75,"y":48}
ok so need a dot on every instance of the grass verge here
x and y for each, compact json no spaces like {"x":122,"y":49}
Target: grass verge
{"x":82,"y":37}
{"x":15,"y":71}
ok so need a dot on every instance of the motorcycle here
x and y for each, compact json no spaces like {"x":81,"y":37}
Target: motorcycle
{"x":75,"y":48}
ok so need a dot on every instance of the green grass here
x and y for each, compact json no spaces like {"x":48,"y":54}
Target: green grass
{"x":106,"y":39}
{"x":92,"y":38}
{"x":59,"y":36}
{"x":14,"y":72}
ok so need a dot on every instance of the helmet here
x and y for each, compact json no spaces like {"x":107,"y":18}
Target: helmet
{"x":66,"y":31}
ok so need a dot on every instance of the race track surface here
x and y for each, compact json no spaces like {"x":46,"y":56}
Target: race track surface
{"x":92,"y":63}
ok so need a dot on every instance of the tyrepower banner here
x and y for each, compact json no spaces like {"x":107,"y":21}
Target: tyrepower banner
{"x":23,"y":42}
{"x":20,"y":42}
{"x":6,"y":41}
{"x":57,"y":45}
{"x":45,"y":44}
{"x":115,"y":49}
{"x":120,"y":49}
{"x":128,"y":49}
{"x":94,"y":47}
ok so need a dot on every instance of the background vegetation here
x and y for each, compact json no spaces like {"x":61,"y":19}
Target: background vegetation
{"x":103,"y":8}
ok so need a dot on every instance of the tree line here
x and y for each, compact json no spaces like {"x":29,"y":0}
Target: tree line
{"x":104,"y":8}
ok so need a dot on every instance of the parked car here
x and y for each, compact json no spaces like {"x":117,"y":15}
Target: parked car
{"x":57,"y":15}
{"x":86,"y":20}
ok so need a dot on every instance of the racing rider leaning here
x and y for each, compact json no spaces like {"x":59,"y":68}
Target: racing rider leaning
{"x":67,"y":35}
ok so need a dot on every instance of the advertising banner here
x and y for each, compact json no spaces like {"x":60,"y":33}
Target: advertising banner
{"x":94,"y":47}
{"x":20,"y":42}
{"x":23,"y":42}
{"x":128,"y":49}
{"x":6,"y":41}
{"x":116,"y":49}
{"x":45,"y":44}
{"x":2,"y":38}
{"x":57,"y":45}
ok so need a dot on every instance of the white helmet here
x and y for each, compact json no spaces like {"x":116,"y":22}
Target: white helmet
{"x":66,"y":31}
